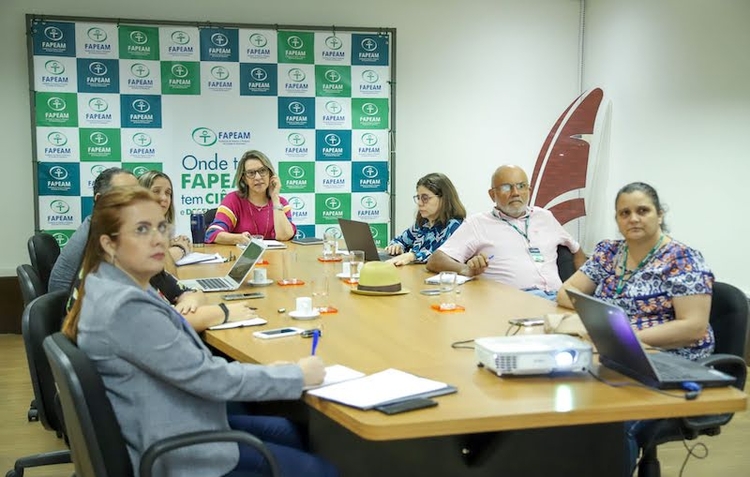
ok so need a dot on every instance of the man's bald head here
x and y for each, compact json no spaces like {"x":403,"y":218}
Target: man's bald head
{"x":510,"y":190}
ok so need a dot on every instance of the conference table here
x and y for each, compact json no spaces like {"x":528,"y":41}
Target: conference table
{"x":564,"y":424}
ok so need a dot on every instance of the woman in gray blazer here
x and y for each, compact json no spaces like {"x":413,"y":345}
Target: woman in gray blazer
{"x":160,"y":377}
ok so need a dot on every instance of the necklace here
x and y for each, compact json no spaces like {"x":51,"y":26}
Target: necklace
{"x":621,"y":280}
{"x":268,"y":218}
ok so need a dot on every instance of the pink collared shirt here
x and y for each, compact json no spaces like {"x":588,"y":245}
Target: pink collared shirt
{"x":512,"y":262}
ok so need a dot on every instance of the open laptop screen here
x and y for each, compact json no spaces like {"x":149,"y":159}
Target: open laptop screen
{"x":245,"y":262}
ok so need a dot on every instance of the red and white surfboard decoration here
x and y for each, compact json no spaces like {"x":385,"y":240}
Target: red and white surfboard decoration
{"x":562,"y":165}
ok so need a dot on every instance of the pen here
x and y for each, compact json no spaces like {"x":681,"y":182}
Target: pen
{"x":491,"y":257}
{"x":315,"y":338}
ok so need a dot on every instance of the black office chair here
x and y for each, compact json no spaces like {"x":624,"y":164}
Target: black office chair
{"x":566,"y":267}
{"x":96,"y":441}
{"x":31,"y":285}
{"x":43,"y":253}
{"x":41,"y":318}
{"x":729,"y":319}
{"x":208,"y":217}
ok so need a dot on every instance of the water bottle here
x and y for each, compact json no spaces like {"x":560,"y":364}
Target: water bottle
{"x":197,"y":228}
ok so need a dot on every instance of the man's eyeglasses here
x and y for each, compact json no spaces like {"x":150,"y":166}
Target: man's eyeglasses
{"x":262,"y":172}
{"x":423,"y":198}
{"x":144,"y":231}
{"x":505,"y":188}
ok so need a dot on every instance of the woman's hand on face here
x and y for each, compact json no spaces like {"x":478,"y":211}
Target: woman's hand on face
{"x":274,"y":186}
{"x":395,"y":249}
{"x":403,"y":259}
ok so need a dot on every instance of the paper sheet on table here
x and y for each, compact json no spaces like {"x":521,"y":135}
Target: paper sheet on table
{"x":380,"y":388}
{"x":240,"y":324}
{"x":269,"y":243}
{"x":337,"y":373}
{"x":435,"y":279}
{"x":196,"y":257}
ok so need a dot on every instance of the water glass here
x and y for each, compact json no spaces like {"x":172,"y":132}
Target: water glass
{"x":447,"y":290}
{"x":319,"y":287}
{"x":329,"y":245}
{"x":356,"y":261}
{"x":289,"y":269}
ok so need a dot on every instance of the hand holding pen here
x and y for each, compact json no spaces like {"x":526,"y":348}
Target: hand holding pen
{"x":477,"y":264}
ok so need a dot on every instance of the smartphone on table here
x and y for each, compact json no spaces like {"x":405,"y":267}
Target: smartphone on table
{"x":526,"y":321}
{"x":242,"y":296}
{"x":278,"y":332}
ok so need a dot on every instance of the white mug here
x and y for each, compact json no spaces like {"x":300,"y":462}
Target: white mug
{"x":260,"y":275}
{"x":304,"y":305}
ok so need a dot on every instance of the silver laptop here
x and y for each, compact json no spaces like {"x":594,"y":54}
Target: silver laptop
{"x":358,"y":236}
{"x":236,"y":276}
{"x":609,"y":328}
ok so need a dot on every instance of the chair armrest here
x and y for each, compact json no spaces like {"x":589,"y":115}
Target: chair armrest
{"x":156,"y":449}
{"x":729,"y":364}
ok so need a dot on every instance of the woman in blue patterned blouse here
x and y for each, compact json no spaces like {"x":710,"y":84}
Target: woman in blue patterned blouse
{"x":663,"y":285}
{"x":439,"y":215}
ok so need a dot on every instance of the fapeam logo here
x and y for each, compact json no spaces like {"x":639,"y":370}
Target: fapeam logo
{"x":370,"y":109}
{"x":333,"y":231}
{"x":138,"y":171}
{"x":98,"y":68}
{"x":333,"y":76}
{"x":297,"y":75}
{"x":58,"y":173}
{"x":140,"y":70}
{"x":259,"y":74}
{"x":56,"y":104}
{"x":220,"y":73}
{"x":300,"y":234}
{"x":333,"y":42}
{"x":295,"y":42}
{"x":141,"y":105}
{"x":54,"y":67}
{"x":258,"y":40}
{"x":368,"y":44}
{"x":141,"y":139}
{"x":57,"y":138}
{"x":96,"y":170}
{"x":98,"y":104}
{"x":368,"y":202}
{"x":179,"y":70}
{"x":296,"y":108}
{"x":374,"y":232}
{"x":333,"y":107}
{"x":53,"y":33}
{"x":334,"y":171}
{"x":98,"y":138}
{"x":61,"y":238}
{"x":180,"y":37}
{"x":97,"y":34}
{"x":332,"y":139}
{"x":138,"y":37}
{"x":297,"y":203}
{"x":296,"y":172}
{"x":333,"y":203}
{"x":369,"y":139}
{"x":204,"y":136}
{"x":219,"y":39}
{"x":369,"y":76}
{"x":59,"y":207}
{"x":296,"y":139}
{"x":370,"y":172}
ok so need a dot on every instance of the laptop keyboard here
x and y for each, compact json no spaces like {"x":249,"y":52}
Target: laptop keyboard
{"x":673,"y":371}
{"x":213,"y":283}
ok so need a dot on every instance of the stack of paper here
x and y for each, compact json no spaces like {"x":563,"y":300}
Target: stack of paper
{"x":196,"y":257}
{"x":460,"y":279}
{"x":336,"y":374}
{"x":240,"y":324}
{"x":381,"y":388}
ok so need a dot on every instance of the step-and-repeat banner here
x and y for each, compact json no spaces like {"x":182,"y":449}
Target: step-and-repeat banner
{"x":190,"y":100}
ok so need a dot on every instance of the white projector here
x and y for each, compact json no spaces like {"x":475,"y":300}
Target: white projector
{"x":532,"y":354}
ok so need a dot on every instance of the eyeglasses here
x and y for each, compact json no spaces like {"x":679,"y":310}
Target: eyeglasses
{"x":144,"y":231}
{"x":423,"y":198}
{"x":262,"y":172}
{"x":505,"y":188}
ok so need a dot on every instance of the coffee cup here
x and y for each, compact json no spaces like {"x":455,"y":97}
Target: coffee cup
{"x":260,"y":275}
{"x":304,"y":305}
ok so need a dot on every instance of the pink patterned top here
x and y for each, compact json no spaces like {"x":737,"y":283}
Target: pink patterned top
{"x":237,"y":215}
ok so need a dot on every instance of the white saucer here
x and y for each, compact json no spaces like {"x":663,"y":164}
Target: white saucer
{"x":343,"y":275}
{"x":308,"y":316}
{"x":260,"y":284}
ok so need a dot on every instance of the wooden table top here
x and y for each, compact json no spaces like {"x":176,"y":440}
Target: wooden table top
{"x":372,"y":333}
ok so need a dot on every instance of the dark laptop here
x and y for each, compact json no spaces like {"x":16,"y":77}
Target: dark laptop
{"x":357,"y":236}
{"x":619,"y":349}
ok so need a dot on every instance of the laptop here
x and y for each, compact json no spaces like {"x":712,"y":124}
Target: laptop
{"x":236,"y":276}
{"x":609,"y":328}
{"x":358,"y":236}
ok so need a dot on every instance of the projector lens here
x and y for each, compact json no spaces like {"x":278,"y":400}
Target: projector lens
{"x":564,"y":359}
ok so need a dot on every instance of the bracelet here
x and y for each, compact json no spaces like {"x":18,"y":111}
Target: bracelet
{"x":226,"y":312}
{"x":181,"y":247}
{"x":278,"y":207}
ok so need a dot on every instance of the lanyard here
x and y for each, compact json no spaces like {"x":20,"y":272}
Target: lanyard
{"x":523,"y":234}
{"x":621,"y":279}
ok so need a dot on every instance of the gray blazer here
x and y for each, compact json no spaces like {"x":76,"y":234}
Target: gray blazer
{"x":161,"y":378}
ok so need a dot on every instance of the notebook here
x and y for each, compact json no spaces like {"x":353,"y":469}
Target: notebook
{"x":609,"y":328}
{"x":239,"y":272}
{"x":358,"y":236}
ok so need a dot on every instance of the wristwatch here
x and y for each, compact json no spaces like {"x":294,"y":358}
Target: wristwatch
{"x":278,"y":207}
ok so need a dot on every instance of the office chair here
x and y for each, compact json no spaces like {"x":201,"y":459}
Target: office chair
{"x":31,"y":285}
{"x":208,"y":217}
{"x":96,"y":441}
{"x":41,"y":318}
{"x":566,"y":267}
{"x":43,"y":252}
{"x":729,"y":319}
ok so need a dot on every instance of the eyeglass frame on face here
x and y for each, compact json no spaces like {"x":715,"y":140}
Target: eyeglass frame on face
{"x":421,"y":198}
{"x":164,"y":229}
{"x":263,"y":172}
{"x":506,"y":187}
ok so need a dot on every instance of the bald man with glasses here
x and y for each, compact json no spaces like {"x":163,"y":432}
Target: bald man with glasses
{"x":513,"y":243}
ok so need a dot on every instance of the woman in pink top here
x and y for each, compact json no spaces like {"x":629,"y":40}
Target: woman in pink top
{"x":255,"y":208}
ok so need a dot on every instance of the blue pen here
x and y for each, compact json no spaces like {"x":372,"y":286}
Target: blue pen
{"x":315,"y":338}
{"x":490,"y":257}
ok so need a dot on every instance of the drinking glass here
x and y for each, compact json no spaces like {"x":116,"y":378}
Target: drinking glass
{"x":356,"y":261}
{"x":447,"y":290}
{"x":289,"y":269}
{"x":329,"y":245}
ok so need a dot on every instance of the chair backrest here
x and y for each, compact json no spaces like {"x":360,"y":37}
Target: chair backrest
{"x":566,"y":267}
{"x":41,"y":318}
{"x":729,"y":319}
{"x":96,"y":443}
{"x":43,"y":253}
{"x":31,"y":284}
{"x":209,"y":216}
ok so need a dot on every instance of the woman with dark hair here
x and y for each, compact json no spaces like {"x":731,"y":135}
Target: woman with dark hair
{"x":161,"y":379}
{"x":255,"y":208}
{"x":439,"y":214}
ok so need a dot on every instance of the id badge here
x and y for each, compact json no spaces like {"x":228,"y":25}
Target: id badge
{"x":536,"y":254}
